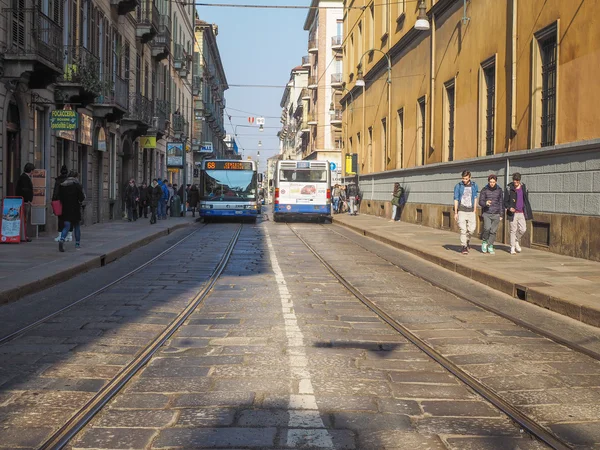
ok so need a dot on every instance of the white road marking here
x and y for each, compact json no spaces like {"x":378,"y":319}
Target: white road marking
{"x":305,"y":424}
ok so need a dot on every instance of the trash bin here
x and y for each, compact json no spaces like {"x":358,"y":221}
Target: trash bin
{"x":175,"y":206}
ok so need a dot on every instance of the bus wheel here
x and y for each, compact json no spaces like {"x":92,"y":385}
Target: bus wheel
{"x":207,"y":220}
{"x":276,"y":218}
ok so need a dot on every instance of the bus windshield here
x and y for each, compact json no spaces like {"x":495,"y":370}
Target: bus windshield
{"x":303,"y":176}
{"x":229,"y":184}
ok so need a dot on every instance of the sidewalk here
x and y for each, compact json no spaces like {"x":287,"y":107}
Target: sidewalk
{"x":30,"y":267}
{"x":566,"y":285}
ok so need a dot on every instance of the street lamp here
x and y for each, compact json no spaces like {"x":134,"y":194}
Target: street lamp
{"x":422,"y":23}
{"x":360,"y":81}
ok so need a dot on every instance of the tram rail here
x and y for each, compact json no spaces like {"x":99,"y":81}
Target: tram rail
{"x":525,"y":422}
{"x":81,"y":418}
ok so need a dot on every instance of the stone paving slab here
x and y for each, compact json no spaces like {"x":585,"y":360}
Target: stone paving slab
{"x":31,"y":267}
{"x":566,"y":285}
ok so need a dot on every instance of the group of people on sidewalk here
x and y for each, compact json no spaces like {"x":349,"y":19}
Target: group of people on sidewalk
{"x":159,"y":198}
{"x":493,"y":202}
{"x":346,"y":198}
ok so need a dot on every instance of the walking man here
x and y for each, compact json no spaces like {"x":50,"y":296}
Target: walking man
{"x":465,"y":199}
{"x":71,"y":196}
{"x":154,"y":194}
{"x":132,"y":195}
{"x":24,"y":189}
{"x":143,"y":201}
{"x":491,"y":201}
{"x":352,"y":193}
{"x":516,"y":201}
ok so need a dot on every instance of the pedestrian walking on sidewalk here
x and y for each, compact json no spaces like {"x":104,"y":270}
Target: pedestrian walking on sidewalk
{"x":71,"y":196}
{"x":335,"y":197}
{"x":162,"y":204}
{"x":143,"y":201}
{"x":465,"y":201}
{"x":194,"y":198}
{"x":24,"y":189}
{"x":353,"y":196}
{"x":155,"y":194}
{"x":397,"y":201}
{"x":61,"y":223}
{"x":518,"y":211}
{"x":491,"y":201}
{"x":132,"y":195}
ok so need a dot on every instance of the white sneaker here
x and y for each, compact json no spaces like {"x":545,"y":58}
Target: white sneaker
{"x":517,"y":247}
{"x":69,"y":237}
{"x":513,"y":251}
{"x":57,"y":238}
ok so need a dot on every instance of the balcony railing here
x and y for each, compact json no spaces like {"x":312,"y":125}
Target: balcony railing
{"x":336,"y":78}
{"x":124,"y":6}
{"x":180,"y":125}
{"x":312,"y":119}
{"x":196,"y":85}
{"x":313,"y":45}
{"x":306,"y":61}
{"x":179,"y":57}
{"x":147,"y":20}
{"x":83,"y":68}
{"x":162,"y":109}
{"x":336,"y":41}
{"x":140,"y":109}
{"x":116,"y":93}
{"x":313,"y":82}
{"x":161,"y":43}
{"x":336,"y":116}
{"x":30,"y":34}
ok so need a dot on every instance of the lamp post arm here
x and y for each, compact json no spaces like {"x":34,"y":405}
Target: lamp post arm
{"x":387,"y":57}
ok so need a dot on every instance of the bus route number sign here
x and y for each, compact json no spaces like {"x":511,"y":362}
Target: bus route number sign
{"x":228,"y":165}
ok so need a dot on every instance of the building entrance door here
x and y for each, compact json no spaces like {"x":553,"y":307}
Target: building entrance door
{"x":13,"y":162}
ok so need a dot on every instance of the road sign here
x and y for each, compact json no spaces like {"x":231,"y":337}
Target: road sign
{"x":251,"y":120}
{"x":260,"y":121}
{"x":148,"y":142}
{"x":332,"y":166}
{"x":206,"y":147}
{"x":62,"y":119}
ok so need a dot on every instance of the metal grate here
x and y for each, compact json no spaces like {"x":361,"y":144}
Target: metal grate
{"x":445,"y":220}
{"x":548,"y":53}
{"x":541,"y":234}
{"x":419,"y":216}
{"x":490,"y":112}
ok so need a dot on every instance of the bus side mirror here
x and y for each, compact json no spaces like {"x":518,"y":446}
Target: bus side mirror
{"x":260,"y":177}
{"x":271,"y":183}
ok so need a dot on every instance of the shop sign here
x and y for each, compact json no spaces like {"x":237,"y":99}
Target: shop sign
{"x":148,"y":142}
{"x":85,"y":131}
{"x":69,"y":135}
{"x":101,"y":140}
{"x":175,"y":155}
{"x":63,"y":119}
{"x":172,"y":170}
{"x":10,"y":223}
{"x":206,"y":147}
{"x":38,"y":179}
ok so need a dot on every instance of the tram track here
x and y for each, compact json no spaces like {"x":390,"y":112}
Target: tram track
{"x":522,"y":420}
{"x":21,"y":331}
{"x":82,"y":417}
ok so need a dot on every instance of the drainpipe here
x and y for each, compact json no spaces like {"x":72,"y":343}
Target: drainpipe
{"x":513,"y":103}
{"x":432,"y":89}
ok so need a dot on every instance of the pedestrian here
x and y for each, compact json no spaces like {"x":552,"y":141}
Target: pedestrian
{"x":132,"y":195}
{"x":61,"y":223}
{"x":353,"y":196}
{"x":155,"y":194}
{"x":194,"y":198}
{"x":491,"y":201}
{"x":168,"y":187}
{"x":24,"y":189}
{"x":465,"y":199}
{"x":143,"y":201}
{"x":516,"y":202}
{"x":397,"y":197}
{"x":71,"y":196}
{"x":336,"y":198}
{"x":162,"y":205}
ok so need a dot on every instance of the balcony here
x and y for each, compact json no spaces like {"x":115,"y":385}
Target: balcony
{"x":124,"y":6}
{"x":337,"y":79}
{"x":312,"y":119}
{"x":305,"y":94}
{"x":147,"y":21}
{"x":313,"y":82}
{"x":306,"y":61}
{"x":196,"y":85}
{"x":180,"y":126}
{"x":161,"y":44}
{"x":179,"y":57}
{"x":112,"y":103}
{"x":336,"y":42}
{"x":313,"y":45}
{"x":162,"y":110}
{"x":138,"y":118}
{"x":33,"y":47}
{"x":80,"y":82}
{"x":336,"y":117}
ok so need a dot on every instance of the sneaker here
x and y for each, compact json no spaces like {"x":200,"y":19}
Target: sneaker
{"x":77,"y":246}
{"x":513,"y":251}
{"x":517,"y":247}
{"x":491,"y":250}
{"x":465,"y":250}
{"x":69,"y":237}
{"x":61,"y":246}
{"x":484,"y":247}
{"x":57,"y":238}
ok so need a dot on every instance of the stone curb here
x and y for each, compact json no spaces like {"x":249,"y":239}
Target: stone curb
{"x":561,"y":305}
{"x":16,"y":293}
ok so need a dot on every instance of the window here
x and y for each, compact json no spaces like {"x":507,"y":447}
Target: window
{"x":421,"y":131}
{"x":385,"y":157}
{"x":400,"y":139}
{"x":544,"y":82}
{"x":401,"y":10}
{"x":385,"y":18}
{"x":350,"y":149}
{"x":370,"y":148}
{"x":449,"y":121}
{"x":360,"y":149}
{"x":371,"y":26}
{"x":340,"y":28}
{"x":351,"y":54}
{"x":360,"y":41}
{"x":487,"y":108}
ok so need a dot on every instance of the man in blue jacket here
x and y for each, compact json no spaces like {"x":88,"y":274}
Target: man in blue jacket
{"x":465,"y":201}
{"x":165,"y":198}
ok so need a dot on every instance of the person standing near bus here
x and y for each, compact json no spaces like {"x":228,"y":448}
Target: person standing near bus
{"x":352,"y":194}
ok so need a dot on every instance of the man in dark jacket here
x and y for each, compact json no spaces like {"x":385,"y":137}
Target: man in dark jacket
{"x":143,"y":201}
{"x":353,"y":195}
{"x":24,"y":189}
{"x":61,"y":223}
{"x":491,"y":201}
{"x":155,"y":194}
{"x":132,"y":195}
{"x":516,"y":201}
{"x":194,"y":198}
{"x":71,"y":196}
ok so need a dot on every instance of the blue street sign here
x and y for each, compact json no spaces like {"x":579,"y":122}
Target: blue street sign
{"x":332,"y":166}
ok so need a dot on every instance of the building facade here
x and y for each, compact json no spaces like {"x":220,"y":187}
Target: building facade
{"x":295,"y":132}
{"x":109,"y":63}
{"x":209,"y":85}
{"x":491,"y":87}
{"x":324,"y":24}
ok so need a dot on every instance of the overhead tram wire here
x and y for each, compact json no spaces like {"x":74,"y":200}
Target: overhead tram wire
{"x":255,"y":6}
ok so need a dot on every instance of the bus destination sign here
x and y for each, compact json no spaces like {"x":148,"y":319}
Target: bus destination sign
{"x":228,"y":165}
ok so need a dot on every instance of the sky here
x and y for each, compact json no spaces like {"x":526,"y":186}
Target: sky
{"x":257,"y":46}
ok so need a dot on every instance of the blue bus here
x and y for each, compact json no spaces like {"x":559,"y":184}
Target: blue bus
{"x":228,"y":188}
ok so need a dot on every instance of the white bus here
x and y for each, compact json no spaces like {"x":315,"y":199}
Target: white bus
{"x":228,"y":188}
{"x":302,"y":188}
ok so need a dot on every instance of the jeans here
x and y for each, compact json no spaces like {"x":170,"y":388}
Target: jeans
{"x":518,"y":226}
{"x":153,"y":214}
{"x":142,"y":209}
{"x":394,"y":212}
{"x":336,"y":204}
{"x":352,"y":201}
{"x":131,"y":212}
{"x":162,"y":209}
{"x":490,"y":227}
{"x":76,"y":229}
{"x":467,"y":222}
